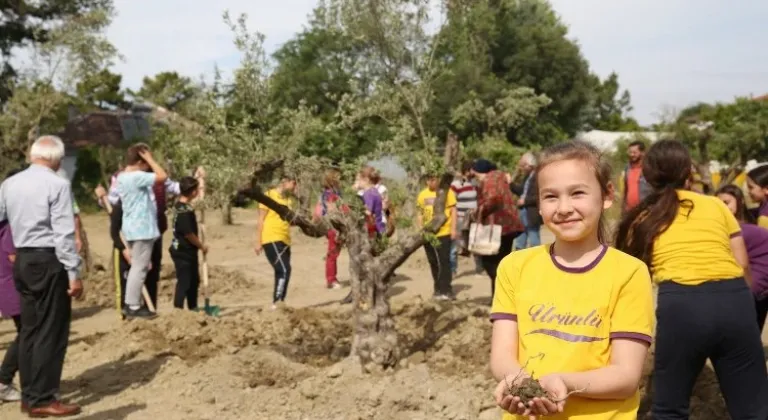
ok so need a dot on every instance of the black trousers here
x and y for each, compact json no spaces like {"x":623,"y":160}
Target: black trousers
{"x":187,"y":281}
{"x":716,"y":321}
{"x":121,"y":267}
{"x":11,"y":360}
{"x":491,"y":262}
{"x":153,"y":275}
{"x":762,"y":311}
{"x":279,"y":256}
{"x":440,"y":262}
{"x":46,"y":310}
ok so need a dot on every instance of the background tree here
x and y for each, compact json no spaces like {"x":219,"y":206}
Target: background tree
{"x":167,"y":89}
{"x":73,"y":48}
{"x":490,"y":45}
{"x":102,"y":90}
{"x":610,"y":108}
{"x":27,"y":22}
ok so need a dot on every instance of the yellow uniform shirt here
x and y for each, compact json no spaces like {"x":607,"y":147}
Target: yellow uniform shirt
{"x":762,"y":217}
{"x":696,"y":247}
{"x":276,"y":229}
{"x":426,"y":203}
{"x":572,"y":314}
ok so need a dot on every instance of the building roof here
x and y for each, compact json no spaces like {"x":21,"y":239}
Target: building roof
{"x":105,"y":128}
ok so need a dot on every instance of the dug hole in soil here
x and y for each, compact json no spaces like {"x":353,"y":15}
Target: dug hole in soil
{"x":292,"y":364}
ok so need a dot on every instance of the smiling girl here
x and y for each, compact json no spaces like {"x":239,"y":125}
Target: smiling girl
{"x":577,"y":313}
{"x":694,"y":247}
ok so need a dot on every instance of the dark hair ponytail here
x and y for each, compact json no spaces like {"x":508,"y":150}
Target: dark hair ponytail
{"x":667,"y":168}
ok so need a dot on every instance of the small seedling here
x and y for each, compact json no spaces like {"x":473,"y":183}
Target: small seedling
{"x":528,"y":388}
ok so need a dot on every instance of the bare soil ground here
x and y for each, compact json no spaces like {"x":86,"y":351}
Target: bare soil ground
{"x":253,"y":363}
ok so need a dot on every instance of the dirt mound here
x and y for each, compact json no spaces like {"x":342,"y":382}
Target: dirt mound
{"x":222,"y":280}
{"x":293,"y":363}
{"x":100,"y":284}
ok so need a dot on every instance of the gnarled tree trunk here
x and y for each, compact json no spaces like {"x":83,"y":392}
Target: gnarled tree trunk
{"x":375,"y":341}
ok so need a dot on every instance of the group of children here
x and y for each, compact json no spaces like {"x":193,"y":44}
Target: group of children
{"x":579,"y":313}
{"x":136,"y":203}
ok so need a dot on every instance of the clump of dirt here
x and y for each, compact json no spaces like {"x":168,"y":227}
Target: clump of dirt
{"x":527,"y":389}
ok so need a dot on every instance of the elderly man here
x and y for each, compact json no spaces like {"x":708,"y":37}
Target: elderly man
{"x":38,"y":206}
{"x":527,"y":203}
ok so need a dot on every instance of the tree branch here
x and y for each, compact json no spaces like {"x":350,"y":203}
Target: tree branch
{"x":309,"y":228}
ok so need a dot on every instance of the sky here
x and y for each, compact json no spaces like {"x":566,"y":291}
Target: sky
{"x":668,"y":53}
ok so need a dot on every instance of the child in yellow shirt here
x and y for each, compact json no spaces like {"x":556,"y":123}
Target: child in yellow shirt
{"x":577,"y":313}
{"x":273,"y":237}
{"x":705,"y":309}
{"x":439,"y":256}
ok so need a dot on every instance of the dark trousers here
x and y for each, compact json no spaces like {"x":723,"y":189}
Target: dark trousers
{"x":716,"y":321}
{"x":11,"y":360}
{"x":762,"y":311}
{"x":153,"y":275}
{"x":46,"y":310}
{"x":121,"y":267}
{"x":491,"y":262}
{"x":279,"y":256}
{"x":440,"y":262}
{"x":187,"y":281}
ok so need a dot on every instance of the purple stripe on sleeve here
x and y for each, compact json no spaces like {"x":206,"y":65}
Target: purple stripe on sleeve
{"x":496,"y":316}
{"x":632,"y":336}
{"x":736,"y":234}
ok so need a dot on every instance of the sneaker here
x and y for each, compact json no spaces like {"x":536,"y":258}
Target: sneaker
{"x":9,"y":393}
{"x":334,"y":285}
{"x":142,"y":312}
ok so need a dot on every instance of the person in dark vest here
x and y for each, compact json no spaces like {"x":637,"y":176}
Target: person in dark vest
{"x":636,"y":188}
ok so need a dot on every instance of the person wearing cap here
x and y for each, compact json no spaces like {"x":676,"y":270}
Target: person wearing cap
{"x":496,"y":205}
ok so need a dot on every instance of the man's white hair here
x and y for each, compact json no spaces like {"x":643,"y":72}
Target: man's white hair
{"x":49,"y":148}
{"x":529,"y":158}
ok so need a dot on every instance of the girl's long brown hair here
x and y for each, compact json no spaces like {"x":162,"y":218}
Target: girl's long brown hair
{"x":667,"y":168}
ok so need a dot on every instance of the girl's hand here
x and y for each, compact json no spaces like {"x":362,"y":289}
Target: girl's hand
{"x":557,"y":388}
{"x":508,"y":403}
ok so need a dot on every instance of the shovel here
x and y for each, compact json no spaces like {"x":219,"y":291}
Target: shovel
{"x":212,"y":310}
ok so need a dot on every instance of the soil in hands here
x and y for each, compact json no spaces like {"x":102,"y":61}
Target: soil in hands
{"x":527,"y":389}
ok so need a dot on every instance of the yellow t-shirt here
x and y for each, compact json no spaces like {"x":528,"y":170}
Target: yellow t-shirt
{"x":276,"y":229}
{"x":570,"y":315}
{"x":426,"y":203}
{"x":696,"y":247}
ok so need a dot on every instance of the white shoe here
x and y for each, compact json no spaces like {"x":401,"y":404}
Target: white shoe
{"x":9,"y":393}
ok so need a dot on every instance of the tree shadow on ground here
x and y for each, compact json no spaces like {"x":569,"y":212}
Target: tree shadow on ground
{"x":88,"y":339}
{"x":434,"y":326}
{"x":111,"y":378}
{"x":118,"y":413}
